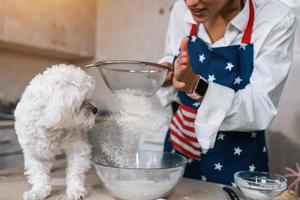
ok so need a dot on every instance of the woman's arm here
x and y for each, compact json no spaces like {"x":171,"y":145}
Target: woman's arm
{"x":254,"y":107}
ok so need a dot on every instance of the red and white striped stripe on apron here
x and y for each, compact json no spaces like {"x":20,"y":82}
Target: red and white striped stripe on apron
{"x":182,"y":132}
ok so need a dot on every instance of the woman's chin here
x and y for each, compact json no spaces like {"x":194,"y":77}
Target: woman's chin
{"x":200,"y":19}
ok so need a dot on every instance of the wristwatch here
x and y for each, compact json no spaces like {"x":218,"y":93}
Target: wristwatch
{"x":199,"y":90}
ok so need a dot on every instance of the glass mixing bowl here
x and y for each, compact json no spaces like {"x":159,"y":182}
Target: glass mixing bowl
{"x":260,"y":185}
{"x":142,"y":78}
{"x":150,"y":175}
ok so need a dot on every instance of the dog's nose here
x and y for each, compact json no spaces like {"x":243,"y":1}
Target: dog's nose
{"x":95,"y":110}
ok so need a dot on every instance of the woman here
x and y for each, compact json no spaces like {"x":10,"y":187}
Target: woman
{"x":228,"y":78}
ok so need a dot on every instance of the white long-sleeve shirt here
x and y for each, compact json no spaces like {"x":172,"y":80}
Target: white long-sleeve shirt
{"x":254,"y":107}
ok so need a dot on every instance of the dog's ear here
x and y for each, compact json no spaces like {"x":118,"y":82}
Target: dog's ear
{"x":61,"y":107}
{"x":64,"y":104}
{"x":65,"y":95}
{"x":55,"y":108}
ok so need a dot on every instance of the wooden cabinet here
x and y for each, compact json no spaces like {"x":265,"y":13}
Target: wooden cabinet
{"x":1,"y":17}
{"x":62,"y":28}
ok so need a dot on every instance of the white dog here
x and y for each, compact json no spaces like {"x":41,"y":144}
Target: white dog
{"x":52,"y":117}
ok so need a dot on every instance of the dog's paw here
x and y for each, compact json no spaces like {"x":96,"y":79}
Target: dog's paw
{"x":76,"y":192}
{"x":37,"y":194}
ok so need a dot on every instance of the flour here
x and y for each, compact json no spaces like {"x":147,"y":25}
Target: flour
{"x":140,"y":184}
{"x":265,"y":192}
{"x":254,"y":194}
{"x":121,"y":132}
{"x":140,"y":189}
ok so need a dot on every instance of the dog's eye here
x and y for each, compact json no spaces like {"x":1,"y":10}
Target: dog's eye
{"x":83,"y":104}
{"x":86,"y":103}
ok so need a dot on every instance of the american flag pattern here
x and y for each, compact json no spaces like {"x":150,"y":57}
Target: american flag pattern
{"x":229,"y":66}
{"x":183,"y":133}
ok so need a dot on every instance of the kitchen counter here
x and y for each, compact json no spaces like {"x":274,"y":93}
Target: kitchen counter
{"x":13,"y":184}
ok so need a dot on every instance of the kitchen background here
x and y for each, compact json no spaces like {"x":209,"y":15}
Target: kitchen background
{"x":37,"y":34}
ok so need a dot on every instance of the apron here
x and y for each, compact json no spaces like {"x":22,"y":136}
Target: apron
{"x":230,"y":66}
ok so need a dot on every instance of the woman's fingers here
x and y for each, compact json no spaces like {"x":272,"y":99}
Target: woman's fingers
{"x":182,"y":71}
{"x":169,"y":77}
{"x":179,"y":72}
{"x":178,"y":85}
{"x":168,"y":80}
{"x":184,"y":54}
{"x":181,"y":60}
{"x":184,"y":45}
{"x":184,"y":60}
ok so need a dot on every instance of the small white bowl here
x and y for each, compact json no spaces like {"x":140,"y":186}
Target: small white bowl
{"x":260,"y":185}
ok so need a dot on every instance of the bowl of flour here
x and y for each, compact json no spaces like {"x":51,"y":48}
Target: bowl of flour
{"x":149,"y":175}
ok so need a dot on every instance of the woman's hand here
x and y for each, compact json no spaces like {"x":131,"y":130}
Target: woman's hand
{"x":184,"y":78}
{"x":169,"y":77}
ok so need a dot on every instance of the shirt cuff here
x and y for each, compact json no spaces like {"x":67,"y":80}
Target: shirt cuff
{"x":168,"y":59}
{"x":166,"y":95}
{"x":211,"y":113}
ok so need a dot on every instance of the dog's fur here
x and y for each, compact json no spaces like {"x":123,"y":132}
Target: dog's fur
{"x":52,"y":117}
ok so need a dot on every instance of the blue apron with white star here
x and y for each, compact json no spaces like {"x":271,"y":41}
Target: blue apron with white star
{"x":230,"y":66}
